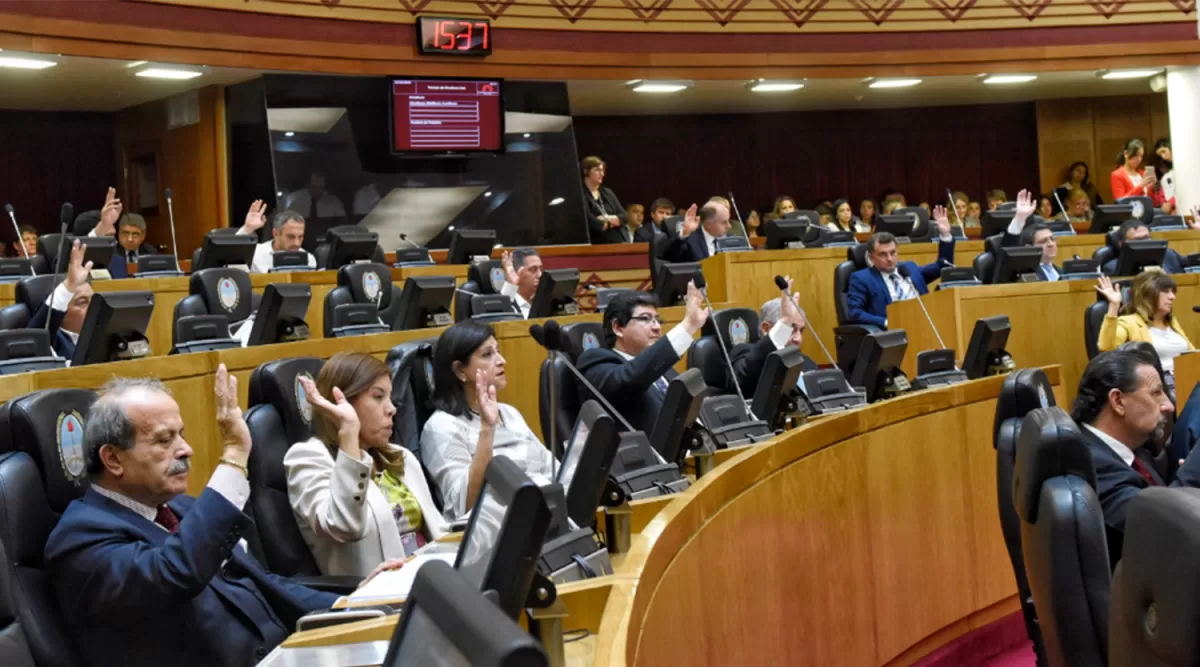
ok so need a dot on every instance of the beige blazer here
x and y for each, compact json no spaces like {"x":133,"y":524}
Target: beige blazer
{"x":343,"y":515}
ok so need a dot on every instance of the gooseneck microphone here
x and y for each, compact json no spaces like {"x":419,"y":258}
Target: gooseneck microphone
{"x":1066,"y":214}
{"x":745,"y":232}
{"x":905,"y":272}
{"x":8,"y":208}
{"x":404,"y":237}
{"x":539,"y":334}
{"x":66,"y":215}
{"x":171,"y":218}
{"x":781,"y":283}
{"x":702,"y":285}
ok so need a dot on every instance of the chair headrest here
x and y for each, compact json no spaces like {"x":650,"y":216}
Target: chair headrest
{"x":992,"y":244}
{"x":488,"y":275}
{"x":1024,"y":390}
{"x":48,"y":425}
{"x":225,"y":291}
{"x":1050,"y":446}
{"x":368,"y":282}
{"x":277,"y":383}
{"x":1111,"y":240}
{"x":25,"y":517}
{"x":737,"y":326}
{"x":580,"y":337}
{"x":857,"y":254}
{"x":33,"y":291}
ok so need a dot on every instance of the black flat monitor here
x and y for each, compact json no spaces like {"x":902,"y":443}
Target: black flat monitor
{"x":24,"y":350}
{"x":1137,"y":255}
{"x":587,"y":461}
{"x":289,"y":260}
{"x":605,"y":295}
{"x":13,"y":270}
{"x":202,"y":333}
{"x":157,"y":266}
{"x":732,"y":243}
{"x":1017,"y":264}
{"x":504,"y":536}
{"x":446,"y":622}
{"x":425,"y":302}
{"x":221,"y":250}
{"x":406,"y":257}
{"x":1080,"y":269}
{"x":350,"y":246}
{"x":555,"y":294}
{"x":491,"y":307}
{"x":900,"y":226}
{"x":280,"y":315}
{"x":985,"y":352}
{"x":114,"y":328}
{"x":1060,"y":227}
{"x":813,"y":218}
{"x":1108,"y":216}
{"x":670,"y":287}
{"x":786,"y":233}
{"x":677,"y":415}
{"x":995,"y":222}
{"x":467,"y":244}
{"x":101,"y":251}
{"x":1164,"y":223}
{"x":773,"y":396}
{"x":877,"y":369}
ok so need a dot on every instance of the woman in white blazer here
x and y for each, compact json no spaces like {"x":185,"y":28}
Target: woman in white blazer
{"x":359,"y":500}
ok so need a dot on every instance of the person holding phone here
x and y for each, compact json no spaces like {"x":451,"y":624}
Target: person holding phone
{"x":1131,"y":178}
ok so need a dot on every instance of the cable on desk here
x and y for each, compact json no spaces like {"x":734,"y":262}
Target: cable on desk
{"x":583,"y":633}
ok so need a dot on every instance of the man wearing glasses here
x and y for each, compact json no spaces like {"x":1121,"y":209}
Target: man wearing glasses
{"x":633,"y":370}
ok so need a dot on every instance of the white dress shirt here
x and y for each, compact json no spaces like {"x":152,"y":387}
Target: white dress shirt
{"x":710,"y":241}
{"x":1117,"y":446}
{"x":510,"y":290}
{"x":1049,"y":273}
{"x":264,"y":256}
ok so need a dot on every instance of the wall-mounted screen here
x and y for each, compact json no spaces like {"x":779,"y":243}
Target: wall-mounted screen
{"x":447,"y":116}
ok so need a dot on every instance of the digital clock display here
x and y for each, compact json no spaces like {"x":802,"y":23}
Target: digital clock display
{"x":440,"y":35}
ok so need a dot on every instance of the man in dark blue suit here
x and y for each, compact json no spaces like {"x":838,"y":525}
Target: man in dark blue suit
{"x":633,"y":372}
{"x":1120,"y":405}
{"x":1021,"y":234}
{"x":887,"y":279}
{"x":699,"y":232}
{"x":145,"y":576}
{"x":67,"y":306}
{"x":1136,"y":230}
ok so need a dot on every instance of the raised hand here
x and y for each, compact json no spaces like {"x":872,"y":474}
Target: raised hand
{"x":256,"y":217}
{"x":109,"y":214}
{"x":1109,"y":291}
{"x":340,"y":411}
{"x":235,"y":437}
{"x":489,"y":408}
{"x":695,"y":312}
{"x":510,"y":274}
{"x":1025,"y":206}
{"x":691,"y":222}
{"x":1195,"y":223}
{"x":942,"y":220}
{"x":77,"y":271}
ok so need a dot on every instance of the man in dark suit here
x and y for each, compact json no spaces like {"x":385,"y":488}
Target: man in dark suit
{"x":700,"y":230}
{"x":67,"y":306}
{"x":1120,"y":405}
{"x":635,"y":221}
{"x":781,"y":324}
{"x":145,"y":576}
{"x":633,"y":370}
{"x":660,"y":210}
{"x":131,"y":232}
{"x":1136,"y":230}
{"x":887,"y":279}
{"x":1019,"y":233}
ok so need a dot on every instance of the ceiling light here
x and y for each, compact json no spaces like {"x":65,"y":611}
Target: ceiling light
{"x":556,"y":201}
{"x":173,"y":74}
{"x":1130,"y":74}
{"x":289,"y":134}
{"x":893,"y":83}
{"x":526,"y":135}
{"x":764,"y":86}
{"x":25,"y":63}
{"x":1001,"y":79}
{"x":645,"y":86}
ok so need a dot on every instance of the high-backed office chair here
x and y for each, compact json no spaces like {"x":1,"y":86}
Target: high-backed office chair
{"x":1155,"y":609}
{"x":411,"y":365}
{"x":1143,"y":207}
{"x":737,"y":325}
{"x":984,"y":263}
{"x":579,"y":337}
{"x":365,"y":301}
{"x":1063,"y":539}
{"x":658,"y":254}
{"x":922,"y":230}
{"x":221,"y":292}
{"x":1109,"y":250}
{"x":483,"y":278}
{"x":48,"y":249}
{"x":1093,"y":319}
{"x":848,"y":337}
{"x":1024,"y":390}
{"x":36,"y":423}
{"x":569,"y":395}
{"x":31,"y":293}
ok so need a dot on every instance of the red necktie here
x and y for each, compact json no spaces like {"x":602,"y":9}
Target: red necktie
{"x":167,"y":519}
{"x":1143,"y":471}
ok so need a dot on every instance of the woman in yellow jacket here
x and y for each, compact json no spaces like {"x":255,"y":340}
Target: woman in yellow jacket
{"x":1146,"y":318}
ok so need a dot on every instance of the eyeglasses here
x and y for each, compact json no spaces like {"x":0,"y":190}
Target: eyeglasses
{"x":646,"y":318}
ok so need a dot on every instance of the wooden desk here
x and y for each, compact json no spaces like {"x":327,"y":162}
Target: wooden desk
{"x":1187,"y":374}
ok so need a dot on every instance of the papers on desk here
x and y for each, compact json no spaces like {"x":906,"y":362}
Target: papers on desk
{"x":362,"y":654}
{"x":395,"y":584}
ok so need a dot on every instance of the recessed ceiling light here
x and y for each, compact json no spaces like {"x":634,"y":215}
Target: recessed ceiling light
{"x":556,"y":201}
{"x":1001,"y":79}
{"x":893,"y":83}
{"x":173,"y":74}
{"x":764,"y":86}
{"x":289,"y":134}
{"x":24,"y":62}
{"x":1130,"y":74}
{"x":645,"y":86}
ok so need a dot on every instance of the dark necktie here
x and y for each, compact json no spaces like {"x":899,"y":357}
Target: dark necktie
{"x":167,"y":519}
{"x":899,"y":287}
{"x":1144,"y":471}
{"x":131,"y":257}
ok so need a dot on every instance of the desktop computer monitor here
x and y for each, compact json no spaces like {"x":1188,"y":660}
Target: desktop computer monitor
{"x":773,"y":399}
{"x":786,"y":233}
{"x":995,"y":222}
{"x":877,"y":369}
{"x":349,"y":246}
{"x":731,"y":243}
{"x":157,"y":266}
{"x":223,"y":249}
{"x":1017,"y":264}
{"x":985,"y":352}
{"x":13,"y":270}
{"x":289,"y":260}
{"x":586,"y":462}
{"x":425,"y":302}
{"x":280,"y":315}
{"x":114,"y":328}
{"x":101,"y":251}
{"x":467,"y":244}
{"x":24,"y":350}
{"x":1108,"y":216}
{"x":900,"y":226}
{"x":671,"y":285}
{"x":680,"y":408}
{"x":555,"y":294}
{"x":1137,"y":255}
{"x":504,"y":535}
{"x":412,"y":257}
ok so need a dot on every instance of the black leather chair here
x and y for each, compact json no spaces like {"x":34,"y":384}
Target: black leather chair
{"x":922,"y":231}
{"x":1093,"y":319}
{"x":1024,"y":390}
{"x":658,"y":252}
{"x":1146,"y":204}
{"x":569,"y":395}
{"x":31,"y":293}
{"x":737,"y":325}
{"x":486,"y":277}
{"x":1155,"y":607}
{"x":848,"y":337}
{"x":48,"y":425}
{"x":581,"y":336}
{"x":222,"y":292}
{"x":366,"y":284}
{"x":48,"y":249}
{"x":411,"y":365}
{"x":1109,"y":250}
{"x":1063,"y":539}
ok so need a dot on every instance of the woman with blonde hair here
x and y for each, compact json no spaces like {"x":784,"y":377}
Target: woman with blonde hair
{"x":1148,"y":317}
{"x":360,"y":500}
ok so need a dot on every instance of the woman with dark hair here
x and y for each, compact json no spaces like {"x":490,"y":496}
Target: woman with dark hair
{"x":1130,"y":178}
{"x":606,"y":216}
{"x":470,"y":425}
{"x":1166,"y":173}
{"x":843,"y":216}
{"x":866,"y":216}
{"x":360,"y":500}
{"x":783,"y":206}
{"x":1079,"y":178}
{"x":1045,"y":207}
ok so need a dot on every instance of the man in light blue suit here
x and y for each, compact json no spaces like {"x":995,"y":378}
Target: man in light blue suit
{"x":887,"y":279}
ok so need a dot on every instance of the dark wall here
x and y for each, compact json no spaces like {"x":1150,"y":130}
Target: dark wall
{"x":816,"y":155}
{"x":47,"y":158}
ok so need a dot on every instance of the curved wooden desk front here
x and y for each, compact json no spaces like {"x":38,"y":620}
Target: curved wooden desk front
{"x":866,"y":538}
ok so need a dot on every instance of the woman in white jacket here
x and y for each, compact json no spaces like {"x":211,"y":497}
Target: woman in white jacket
{"x":359,"y":500}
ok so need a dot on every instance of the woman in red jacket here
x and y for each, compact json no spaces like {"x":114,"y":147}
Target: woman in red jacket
{"x":1129,"y":179}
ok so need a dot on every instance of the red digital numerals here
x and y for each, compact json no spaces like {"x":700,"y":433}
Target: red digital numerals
{"x":454,"y":35}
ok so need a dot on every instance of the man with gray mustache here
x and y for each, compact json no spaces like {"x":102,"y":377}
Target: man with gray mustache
{"x":145,"y":576}
{"x":1121,"y":407}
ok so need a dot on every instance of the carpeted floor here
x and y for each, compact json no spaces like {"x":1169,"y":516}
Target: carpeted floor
{"x":1002,"y":643}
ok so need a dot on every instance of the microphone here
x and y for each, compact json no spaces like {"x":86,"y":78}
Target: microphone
{"x":556,"y":339}
{"x":1066,"y":215}
{"x":745,"y":232}
{"x":404,"y":237}
{"x":699,"y":282}
{"x":171,"y":217}
{"x":904,"y":271}
{"x":66,"y":215}
{"x":782,"y":285}
{"x":8,"y":208}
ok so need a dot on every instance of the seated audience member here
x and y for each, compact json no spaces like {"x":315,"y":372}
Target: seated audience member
{"x":131,"y":231}
{"x":522,"y":273}
{"x":632,"y":372}
{"x":961,"y":201}
{"x":826,"y":213}
{"x":843,"y":218}
{"x":698,"y":235}
{"x":974,"y":214}
{"x":27,"y":245}
{"x":1079,"y":208}
{"x":1147,"y":318}
{"x":351,"y":529}
{"x":781,"y":325}
{"x":1166,"y":169}
{"x":470,"y":425}
{"x":287,"y":233}
{"x":783,"y":205}
{"x":1120,"y":407}
{"x":635,"y":229}
{"x":1019,"y":233}
{"x":67,"y":306}
{"x":890,"y":207}
{"x":1131,"y":178}
{"x":1136,"y":230}
{"x":873,"y":288}
{"x":302,"y":201}
{"x":995,"y":198}
{"x":769,"y":217}
{"x":146,"y":576}
{"x":866,"y":216}
{"x":890,"y":196}
{"x":753,"y":224}
{"x":924,"y":205}
{"x":1045,"y":207}
{"x":606,"y":216}
{"x":660,"y":210}
{"x":1078,"y":178}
